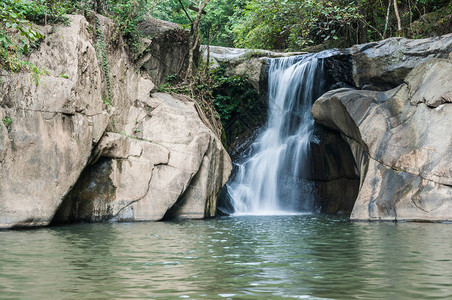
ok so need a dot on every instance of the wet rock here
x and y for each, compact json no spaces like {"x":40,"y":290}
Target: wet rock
{"x":333,"y":170}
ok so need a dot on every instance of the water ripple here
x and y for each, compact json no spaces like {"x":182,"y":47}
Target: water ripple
{"x":242,"y":257}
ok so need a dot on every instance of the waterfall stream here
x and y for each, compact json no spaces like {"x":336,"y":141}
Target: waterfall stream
{"x":272,"y":178}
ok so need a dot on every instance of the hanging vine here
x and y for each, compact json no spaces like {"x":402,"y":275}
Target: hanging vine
{"x":104,"y":61}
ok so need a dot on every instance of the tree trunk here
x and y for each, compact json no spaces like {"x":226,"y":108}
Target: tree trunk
{"x":362,"y":31}
{"x":194,"y":40}
{"x":206,"y":69}
{"x":387,"y":19}
{"x":98,"y":7}
{"x":399,"y":23}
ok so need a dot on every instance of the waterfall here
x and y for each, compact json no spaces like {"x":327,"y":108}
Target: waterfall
{"x":272,"y":178}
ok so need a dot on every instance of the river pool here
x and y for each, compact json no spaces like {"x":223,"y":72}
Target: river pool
{"x":246,"y":257}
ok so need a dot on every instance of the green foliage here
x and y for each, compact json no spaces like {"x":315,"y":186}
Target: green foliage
{"x":293,"y":24}
{"x":102,"y":52}
{"x":374,"y":15}
{"x":17,"y":38}
{"x":296,"y":24}
{"x":232,"y":96}
{"x":171,"y":10}
{"x":43,"y":11}
{"x":216,"y":24}
{"x":128,"y":15}
{"x":172,"y":78}
{"x":7,"y":122}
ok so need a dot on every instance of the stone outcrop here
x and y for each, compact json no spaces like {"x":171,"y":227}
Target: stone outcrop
{"x":164,"y":50}
{"x":54,"y":125}
{"x":67,"y":156}
{"x":401,"y":143}
{"x":384,"y":65}
{"x":168,"y":164}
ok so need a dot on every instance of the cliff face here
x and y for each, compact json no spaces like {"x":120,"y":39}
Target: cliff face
{"x":67,"y":156}
{"x":398,"y":128}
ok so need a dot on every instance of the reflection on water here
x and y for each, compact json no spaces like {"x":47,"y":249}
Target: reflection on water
{"x":304,"y":256}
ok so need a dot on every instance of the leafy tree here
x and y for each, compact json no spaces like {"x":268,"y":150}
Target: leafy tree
{"x":171,"y":10}
{"x":12,"y":47}
{"x":293,"y":24}
{"x":217,"y":24}
{"x":128,"y":14}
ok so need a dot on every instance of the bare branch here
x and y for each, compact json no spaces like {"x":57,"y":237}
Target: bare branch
{"x":396,"y":10}
{"x":186,"y":13}
{"x":387,"y":18}
{"x":196,"y":9}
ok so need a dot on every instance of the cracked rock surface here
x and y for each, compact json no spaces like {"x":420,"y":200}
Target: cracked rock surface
{"x":401,"y":141}
{"x":54,"y":125}
{"x":173,"y":167}
{"x":66,"y":156}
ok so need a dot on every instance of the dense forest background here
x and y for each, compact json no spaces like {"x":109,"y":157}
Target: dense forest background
{"x":267,"y":24}
{"x":297,"y":24}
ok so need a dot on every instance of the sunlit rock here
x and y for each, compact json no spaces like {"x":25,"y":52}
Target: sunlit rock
{"x":82,"y":146}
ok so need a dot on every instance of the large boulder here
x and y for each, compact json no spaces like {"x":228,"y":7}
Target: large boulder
{"x":49,"y":127}
{"x":384,"y":65}
{"x":167,"y":163}
{"x":163,"y":51}
{"x":94,"y":136}
{"x":401,"y":143}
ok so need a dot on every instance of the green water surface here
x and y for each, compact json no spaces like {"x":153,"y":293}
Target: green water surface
{"x":279,"y":257}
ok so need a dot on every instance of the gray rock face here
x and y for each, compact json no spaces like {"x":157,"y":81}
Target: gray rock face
{"x":54,"y":125}
{"x":384,"y":65}
{"x":401,"y":143}
{"x":164,"y":50}
{"x":168,"y":164}
{"x":333,"y":170}
{"x":433,"y":87}
{"x":59,"y":157}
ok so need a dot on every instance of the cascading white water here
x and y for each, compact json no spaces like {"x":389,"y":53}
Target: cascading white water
{"x":271,"y":180}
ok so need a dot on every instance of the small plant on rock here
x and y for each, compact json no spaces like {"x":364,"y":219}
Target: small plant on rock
{"x":7,"y":122}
